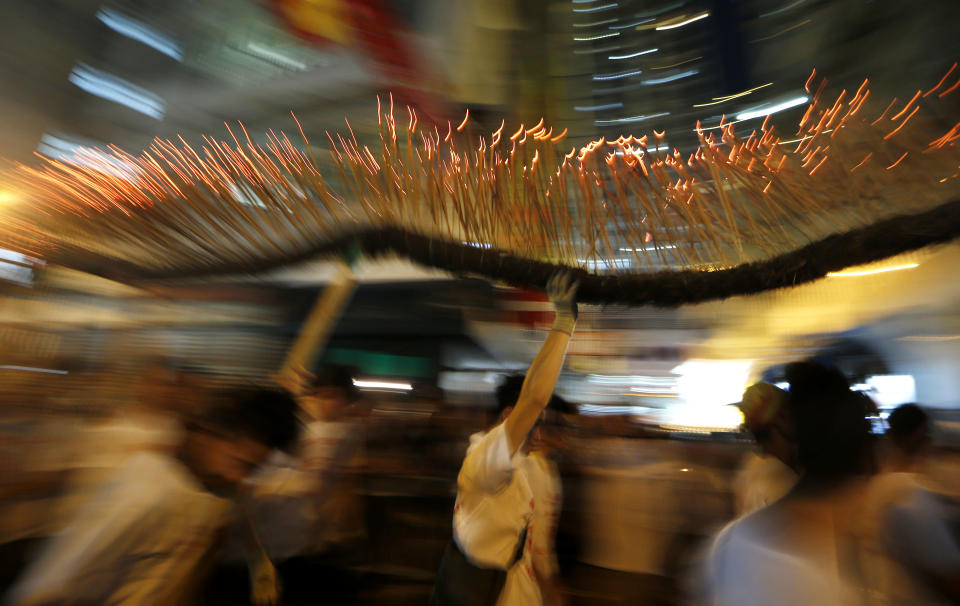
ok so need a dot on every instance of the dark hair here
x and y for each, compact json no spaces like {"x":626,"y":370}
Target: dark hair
{"x":905,"y":420}
{"x":336,"y":375}
{"x":830,"y":421}
{"x":266,"y":415}
{"x":558,"y":404}
{"x":760,"y":434}
{"x":508,"y":392}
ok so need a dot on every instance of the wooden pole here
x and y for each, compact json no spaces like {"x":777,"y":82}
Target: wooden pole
{"x":318,"y":325}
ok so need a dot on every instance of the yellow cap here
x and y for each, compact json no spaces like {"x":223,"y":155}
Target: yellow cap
{"x":761,"y":404}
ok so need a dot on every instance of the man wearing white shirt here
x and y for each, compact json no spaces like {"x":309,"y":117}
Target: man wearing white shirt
{"x":145,"y":537}
{"x":506,"y":496}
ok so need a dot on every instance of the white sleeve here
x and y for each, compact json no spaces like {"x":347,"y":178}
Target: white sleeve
{"x":488,"y":466}
{"x":917,"y":533}
{"x":86,"y":561}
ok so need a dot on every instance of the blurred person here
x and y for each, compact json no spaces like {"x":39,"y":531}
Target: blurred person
{"x":508,"y":498}
{"x":305,"y":508}
{"x":910,"y":554}
{"x":147,"y":536}
{"x":64,"y":469}
{"x":767,"y":474}
{"x":802,"y":549}
{"x":152,"y":420}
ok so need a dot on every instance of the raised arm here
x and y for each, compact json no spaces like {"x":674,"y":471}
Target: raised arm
{"x":545,"y":369}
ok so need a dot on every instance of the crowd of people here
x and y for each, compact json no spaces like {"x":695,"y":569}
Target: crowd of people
{"x":251,"y":499}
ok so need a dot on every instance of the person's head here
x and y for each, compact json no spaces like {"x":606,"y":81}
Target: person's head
{"x":909,"y":430}
{"x":766,"y":417}
{"x":331,"y":390}
{"x":550,"y":432}
{"x":159,"y":385}
{"x":508,"y":392}
{"x":235,"y":436}
{"x":830,"y":422}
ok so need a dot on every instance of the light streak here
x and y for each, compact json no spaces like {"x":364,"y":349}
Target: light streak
{"x":665,"y":79}
{"x":118,"y":90}
{"x":632,"y":55}
{"x":781,"y":32}
{"x":717,"y":100}
{"x":382,"y":385}
{"x":650,"y":248}
{"x":595,"y":9}
{"x":766,"y":111}
{"x":135,"y":30}
{"x":630,"y":119}
{"x":271,"y":55}
{"x":33,"y":369}
{"x":780,"y":10}
{"x":942,"y":80}
{"x":870,"y":272}
{"x":590,"y":51}
{"x":634,"y":24}
{"x":685,"y":22}
{"x":899,"y":160}
{"x":659,"y":11}
{"x":597,"y":108}
{"x":617,"y":76}
{"x":597,"y":37}
{"x":676,"y":64}
{"x":595,"y":23}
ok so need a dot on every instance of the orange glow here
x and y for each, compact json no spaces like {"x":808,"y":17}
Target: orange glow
{"x":536,"y":128}
{"x":907,"y":106}
{"x":942,"y":80}
{"x":517,"y":134}
{"x":806,"y":85}
{"x":949,"y":90}
{"x":466,"y":118}
{"x":947,"y":138}
{"x":560,"y":136}
{"x":905,"y":154}
{"x":902,"y":124}
{"x":818,"y":165}
{"x":874,"y":123}
{"x":856,"y":109}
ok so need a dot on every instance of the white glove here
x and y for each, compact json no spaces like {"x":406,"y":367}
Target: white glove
{"x":562,"y":290}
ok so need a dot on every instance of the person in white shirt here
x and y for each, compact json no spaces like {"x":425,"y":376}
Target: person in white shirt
{"x":147,"y":535}
{"x":152,"y":422}
{"x":910,"y":555}
{"x":506,"y":496}
{"x":306,"y":509}
{"x":802,"y":549}
{"x":767,"y":475}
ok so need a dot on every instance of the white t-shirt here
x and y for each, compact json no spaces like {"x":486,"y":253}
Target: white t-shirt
{"x":746,"y":568}
{"x":497,"y":496}
{"x":137,"y":542}
{"x":302,"y":505}
{"x":761,"y":480}
{"x":904,"y":522}
{"x":105,"y":448}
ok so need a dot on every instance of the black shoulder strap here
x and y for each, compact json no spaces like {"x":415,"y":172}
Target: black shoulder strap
{"x":518,"y":553}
